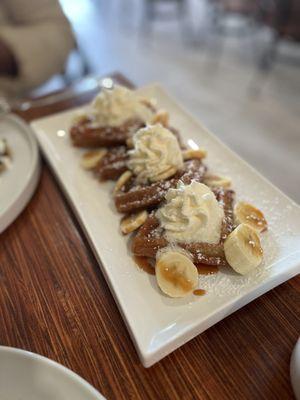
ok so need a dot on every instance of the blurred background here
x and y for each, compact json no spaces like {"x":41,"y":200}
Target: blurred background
{"x":233,"y":63}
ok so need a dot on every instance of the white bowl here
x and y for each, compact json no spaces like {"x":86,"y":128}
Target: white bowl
{"x":29,"y":376}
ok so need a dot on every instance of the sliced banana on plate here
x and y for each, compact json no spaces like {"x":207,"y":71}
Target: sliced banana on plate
{"x":161,"y":117}
{"x":245,"y":213}
{"x":217,"y":181}
{"x":129,"y":143}
{"x":122,"y":180}
{"x":243,"y":250}
{"x":3,"y":148}
{"x":133,"y":222}
{"x":164,"y":175}
{"x":191,"y":154}
{"x":90,"y":159}
{"x":176,"y":275}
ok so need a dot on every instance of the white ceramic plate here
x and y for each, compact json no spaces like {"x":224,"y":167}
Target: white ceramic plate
{"x":158,"y":324}
{"x":19,"y":180}
{"x":29,"y":376}
{"x":295,"y":369}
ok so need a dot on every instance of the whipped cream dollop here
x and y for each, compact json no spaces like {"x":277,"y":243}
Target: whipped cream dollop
{"x":156,"y":154}
{"x":113,"y":107}
{"x":191,"y":214}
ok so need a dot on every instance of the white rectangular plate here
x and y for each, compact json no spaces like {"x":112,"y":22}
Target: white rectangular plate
{"x":158,"y":324}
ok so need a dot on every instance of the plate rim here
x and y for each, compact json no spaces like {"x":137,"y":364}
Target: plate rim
{"x":47,"y":361}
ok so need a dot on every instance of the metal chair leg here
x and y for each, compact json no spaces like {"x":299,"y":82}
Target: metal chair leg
{"x":269,"y":56}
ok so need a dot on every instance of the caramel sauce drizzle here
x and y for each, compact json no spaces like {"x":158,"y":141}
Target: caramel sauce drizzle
{"x":204,"y":269}
{"x":199,"y":292}
{"x":144,"y":264}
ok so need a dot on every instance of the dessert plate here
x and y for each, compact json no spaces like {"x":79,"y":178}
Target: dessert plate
{"x":28,"y":376}
{"x":295,"y":370}
{"x":158,"y":324}
{"x":19,"y":180}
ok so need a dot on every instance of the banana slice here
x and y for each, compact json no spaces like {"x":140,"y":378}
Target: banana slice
{"x":4,"y":151}
{"x":151,"y":103}
{"x":122,"y":180}
{"x":133,"y":222}
{"x":129,"y":143}
{"x":164,"y":175}
{"x":176,"y":275}
{"x":243,"y":250}
{"x":191,"y":154}
{"x":217,"y":180}
{"x":247,"y":214}
{"x":161,"y":117}
{"x":90,"y":159}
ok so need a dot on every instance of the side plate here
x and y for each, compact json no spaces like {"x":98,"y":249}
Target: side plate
{"x":18,"y":182}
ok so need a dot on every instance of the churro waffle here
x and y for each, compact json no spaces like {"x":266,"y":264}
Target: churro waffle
{"x":134,"y":197}
{"x":84,"y":134}
{"x":150,"y":237}
{"x":113,"y":164}
{"x":112,"y":118}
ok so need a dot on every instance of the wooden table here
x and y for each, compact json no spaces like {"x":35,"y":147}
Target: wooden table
{"x":54,"y":301}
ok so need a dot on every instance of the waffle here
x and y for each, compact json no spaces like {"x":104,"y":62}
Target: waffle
{"x":135,"y":197}
{"x":84,"y":134}
{"x":150,"y":237}
{"x":113,"y":164}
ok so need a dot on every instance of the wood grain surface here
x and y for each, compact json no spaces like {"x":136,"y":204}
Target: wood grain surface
{"x":54,"y":301}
